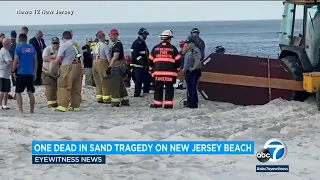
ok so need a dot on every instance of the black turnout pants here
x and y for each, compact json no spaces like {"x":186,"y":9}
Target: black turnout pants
{"x":158,"y":94}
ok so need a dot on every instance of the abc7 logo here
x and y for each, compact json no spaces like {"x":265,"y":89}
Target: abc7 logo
{"x":274,"y":150}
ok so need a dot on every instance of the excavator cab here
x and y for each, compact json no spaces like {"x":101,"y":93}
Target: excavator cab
{"x":301,"y":53}
{"x":306,"y":45}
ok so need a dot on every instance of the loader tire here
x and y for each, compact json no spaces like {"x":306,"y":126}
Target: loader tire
{"x":296,"y":69}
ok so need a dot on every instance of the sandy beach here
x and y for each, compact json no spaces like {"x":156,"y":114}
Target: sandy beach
{"x":296,"y":123}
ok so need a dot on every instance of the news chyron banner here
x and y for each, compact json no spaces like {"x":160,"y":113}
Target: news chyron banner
{"x":94,"y":152}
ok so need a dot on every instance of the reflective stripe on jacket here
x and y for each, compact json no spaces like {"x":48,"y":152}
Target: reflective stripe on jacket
{"x":164,"y":60}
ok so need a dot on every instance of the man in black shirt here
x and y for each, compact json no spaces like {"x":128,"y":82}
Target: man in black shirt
{"x":117,"y":71}
{"x":87,"y":62}
{"x":139,"y":63}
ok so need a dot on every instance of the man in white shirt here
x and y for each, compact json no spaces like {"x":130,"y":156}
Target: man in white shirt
{"x":5,"y":72}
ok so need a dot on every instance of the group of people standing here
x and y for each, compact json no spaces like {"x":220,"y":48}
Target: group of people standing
{"x":20,"y":62}
{"x":163,"y":63}
{"x":159,"y":68}
{"x":61,"y":66}
{"x":66,"y":63}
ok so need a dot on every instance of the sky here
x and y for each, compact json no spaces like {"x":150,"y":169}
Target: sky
{"x":94,"y":12}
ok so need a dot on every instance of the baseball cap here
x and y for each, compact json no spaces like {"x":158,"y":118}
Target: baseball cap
{"x":55,"y":39}
{"x":190,"y":39}
{"x":195,"y":30}
{"x":89,"y":39}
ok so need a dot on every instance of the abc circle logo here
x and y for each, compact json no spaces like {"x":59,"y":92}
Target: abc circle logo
{"x":273,"y":151}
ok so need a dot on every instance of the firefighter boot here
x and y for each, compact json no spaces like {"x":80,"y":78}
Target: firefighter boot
{"x":169,"y":94}
{"x":158,"y":95}
{"x":155,"y":106}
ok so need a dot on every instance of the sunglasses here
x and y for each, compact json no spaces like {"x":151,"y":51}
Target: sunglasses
{"x":55,"y":43}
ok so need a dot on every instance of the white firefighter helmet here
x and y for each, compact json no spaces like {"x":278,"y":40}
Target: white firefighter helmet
{"x":166,"y":34}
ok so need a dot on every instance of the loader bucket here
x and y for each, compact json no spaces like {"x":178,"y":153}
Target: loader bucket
{"x":244,"y":80}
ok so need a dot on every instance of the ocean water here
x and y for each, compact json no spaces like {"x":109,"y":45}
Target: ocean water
{"x":254,"y":38}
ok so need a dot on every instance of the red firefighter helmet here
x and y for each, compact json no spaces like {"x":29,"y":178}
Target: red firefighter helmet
{"x":114,"y":32}
{"x":127,"y":58}
{"x":181,"y":44}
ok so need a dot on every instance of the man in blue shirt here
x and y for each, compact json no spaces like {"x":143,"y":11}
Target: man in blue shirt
{"x":24,"y":69}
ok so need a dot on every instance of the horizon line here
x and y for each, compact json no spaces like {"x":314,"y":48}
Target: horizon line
{"x":142,"y":22}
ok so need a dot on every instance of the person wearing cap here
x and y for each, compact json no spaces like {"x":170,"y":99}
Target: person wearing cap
{"x":70,"y":75}
{"x":116,"y":71}
{"x":50,"y":72}
{"x":192,"y":70}
{"x":164,"y":63}
{"x":199,"y":43}
{"x":139,"y":63}
{"x":100,"y":66}
{"x":87,"y":63}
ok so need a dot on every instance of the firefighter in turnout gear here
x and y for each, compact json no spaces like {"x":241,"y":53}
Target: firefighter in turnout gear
{"x":100,"y":66}
{"x":117,"y":71}
{"x":165,"y":64}
{"x":139,"y":63}
{"x":50,"y":72}
{"x":70,"y":72}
